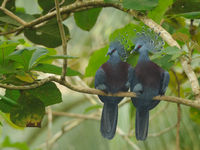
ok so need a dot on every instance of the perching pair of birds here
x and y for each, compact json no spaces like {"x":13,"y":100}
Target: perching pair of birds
{"x":147,"y":80}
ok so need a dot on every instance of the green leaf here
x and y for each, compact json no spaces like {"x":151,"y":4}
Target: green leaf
{"x":30,"y":112}
{"x":195,"y":115}
{"x":29,"y":56}
{"x":140,"y":4}
{"x":47,"y":5}
{"x":53,"y":57}
{"x":10,"y":5}
{"x":22,"y":57}
{"x":6,"y":48}
{"x":47,"y":35}
{"x":49,"y":68}
{"x":186,"y":9}
{"x":96,"y":60}
{"x":8,"y":20}
{"x":157,"y":13}
{"x":86,"y":19}
{"x":6,"y":117}
{"x":11,"y":95}
{"x":19,"y":145}
{"x":48,"y":93}
{"x":164,"y":62}
{"x":36,"y":55}
{"x":93,"y":107}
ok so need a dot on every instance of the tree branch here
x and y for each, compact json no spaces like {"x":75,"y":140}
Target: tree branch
{"x":3,"y":5}
{"x":98,"y":92}
{"x":126,"y":138}
{"x":162,"y":132}
{"x":73,"y":115}
{"x":63,"y":37}
{"x":13,"y":16}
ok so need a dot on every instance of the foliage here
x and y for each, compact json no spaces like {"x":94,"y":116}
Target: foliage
{"x":22,"y":63}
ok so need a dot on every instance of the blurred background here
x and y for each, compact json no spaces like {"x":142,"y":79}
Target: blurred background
{"x":86,"y":135}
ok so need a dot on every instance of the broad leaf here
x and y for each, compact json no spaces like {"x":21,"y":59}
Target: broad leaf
{"x":186,"y":9}
{"x":47,"y":35}
{"x":140,"y":4}
{"x":164,"y":62}
{"x":86,"y":19}
{"x":10,"y":5}
{"x":48,"y":5}
{"x":93,"y":107}
{"x":49,"y":68}
{"x":53,"y":57}
{"x":48,"y":94}
{"x":195,"y":115}
{"x":96,"y":60}
{"x":30,"y":112}
{"x":157,"y":13}
{"x":11,"y":94}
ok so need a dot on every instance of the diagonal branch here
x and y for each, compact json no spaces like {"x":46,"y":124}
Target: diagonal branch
{"x":3,"y":5}
{"x":13,"y":16}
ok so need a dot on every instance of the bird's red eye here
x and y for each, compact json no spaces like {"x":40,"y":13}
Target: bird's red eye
{"x":113,"y":51}
{"x":139,"y":46}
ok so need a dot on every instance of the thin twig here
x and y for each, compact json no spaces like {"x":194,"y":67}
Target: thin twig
{"x":3,"y":5}
{"x":162,"y":132}
{"x":63,"y":37}
{"x":126,"y":138}
{"x":80,"y":116}
{"x":178,"y":127}
{"x":178,"y":112}
{"x":159,"y":112}
{"x":60,"y":133}
{"x":49,"y":132}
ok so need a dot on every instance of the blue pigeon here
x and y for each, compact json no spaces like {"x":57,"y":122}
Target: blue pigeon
{"x":147,"y":81}
{"x":112,"y":77}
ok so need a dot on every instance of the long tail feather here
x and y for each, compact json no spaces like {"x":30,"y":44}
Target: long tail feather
{"x":109,"y":120}
{"x":141,"y":124}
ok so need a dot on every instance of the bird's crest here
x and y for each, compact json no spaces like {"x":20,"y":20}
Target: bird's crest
{"x":150,"y":39}
{"x":121,"y":49}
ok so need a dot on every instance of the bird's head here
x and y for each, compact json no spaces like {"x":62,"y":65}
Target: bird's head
{"x":147,"y":41}
{"x":116,"y":49}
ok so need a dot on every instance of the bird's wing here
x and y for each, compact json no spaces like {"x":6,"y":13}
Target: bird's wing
{"x":164,"y":82}
{"x":100,"y":79}
{"x":130,"y":76}
{"x":136,"y":86}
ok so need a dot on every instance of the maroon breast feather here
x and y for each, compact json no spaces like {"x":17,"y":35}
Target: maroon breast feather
{"x":117,"y":76}
{"x":149,"y":74}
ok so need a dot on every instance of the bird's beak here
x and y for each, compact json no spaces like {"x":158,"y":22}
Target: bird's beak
{"x":134,"y":50}
{"x":109,"y":52}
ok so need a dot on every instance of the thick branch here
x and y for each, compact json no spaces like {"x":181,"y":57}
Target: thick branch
{"x":98,"y":92}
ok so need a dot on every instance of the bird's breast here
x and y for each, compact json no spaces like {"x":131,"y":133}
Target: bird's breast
{"x":116,"y":76}
{"x":149,"y":74}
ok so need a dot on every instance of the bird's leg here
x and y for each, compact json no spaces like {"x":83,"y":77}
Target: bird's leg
{"x":138,"y":89}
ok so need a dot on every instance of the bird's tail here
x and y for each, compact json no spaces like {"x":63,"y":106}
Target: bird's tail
{"x":141,"y":124}
{"x":109,"y":120}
